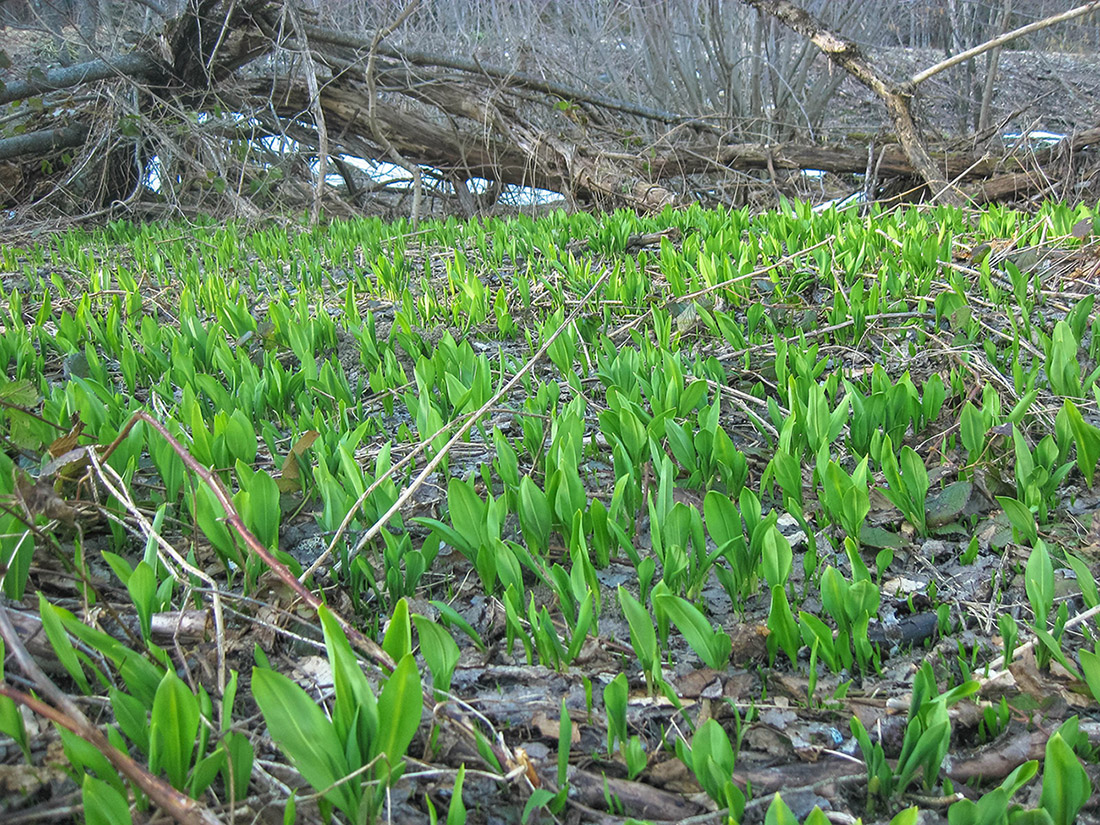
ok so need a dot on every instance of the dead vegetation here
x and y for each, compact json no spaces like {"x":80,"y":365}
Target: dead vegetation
{"x":230,"y":108}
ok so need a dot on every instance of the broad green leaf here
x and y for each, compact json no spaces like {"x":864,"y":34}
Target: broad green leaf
{"x":467,"y":511}
{"x":535,"y":516}
{"x":399,"y":710}
{"x":723,"y":520}
{"x":456,"y":813}
{"x":103,"y":805}
{"x":450,"y":616}
{"x":643,"y":638}
{"x":355,"y":711}
{"x":615,"y":696}
{"x":779,"y":813}
{"x":910,"y":816}
{"x":1087,"y":439}
{"x":813,"y":629}
{"x":11,"y":720}
{"x":539,"y":798}
{"x":237,"y":770}
{"x":565,"y":742}
{"x":834,"y":596}
{"x":398,"y":639}
{"x":131,"y":717}
{"x":1085,"y":580}
{"x":59,"y":640}
{"x":777,"y":558}
{"x":782,"y":625}
{"x":206,"y":770}
{"x":1039,"y":583}
{"x":439,"y":650}
{"x":1090,"y":668}
{"x":1066,"y":786}
{"x":1021,"y":518}
{"x":711,"y":741}
{"x":299,"y":727}
{"x":712,"y":646}
{"x":173,"y":727}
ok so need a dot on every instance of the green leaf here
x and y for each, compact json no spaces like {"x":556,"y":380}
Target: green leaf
{"x":398,"y":639}
{"x":782,"y":625}
{"x":399,"y":710}
{"x":712,"y":742}
{"x":467,"y":511}
{"x":439,"y":650}
{"x":1039,"y":583}
{"x":456,"y":813}
{"x":1021,"y":518}
{"x":1087,"y":439}
{"x":206,"y":770}
{"x":450,"y":616}
{"x":237,"y":770}
{"x":813,"y":629}
{"x":103,"y":805}
{"x":11,"y":720}
{"x":535,"y":516}
{"x":834,"y":597}
{"x":643,"y":638}
{"x":910,"y":816}
{"x":355,"y":711}
{"x":712,"y":646}
{"x":777,"y":558}
{"x":142,"y":586}
{"x":1085,"y":580}
{"x":1066,"y":786}
{"x":779,"y":813}
{"x":59,"y":640}
{"x":723,"y":520}
{"x":539,"y":798}
{"x":299,"y":727}
{"x":1090,"y":667}
{"x":172,"y":730}
{"x":615,"y":696}
{"x":131,"y":717}
{"x":565,"y":741}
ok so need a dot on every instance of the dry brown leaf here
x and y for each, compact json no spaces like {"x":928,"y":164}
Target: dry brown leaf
{"x":40,"y":499}
{"x":289,"y":474}
{"x":67,"y":442}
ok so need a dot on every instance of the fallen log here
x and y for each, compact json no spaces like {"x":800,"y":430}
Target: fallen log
{"x":43,"y":142}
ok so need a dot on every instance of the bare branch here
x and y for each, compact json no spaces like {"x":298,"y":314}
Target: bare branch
{"x":130,"y":65}
{"x":43,"y":141}
{"x":848,"y":56}
{"x":1000,"y":40}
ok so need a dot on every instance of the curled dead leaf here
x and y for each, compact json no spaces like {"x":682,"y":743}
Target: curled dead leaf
{"x":288,"y":479}
{"x":38,"y":498}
